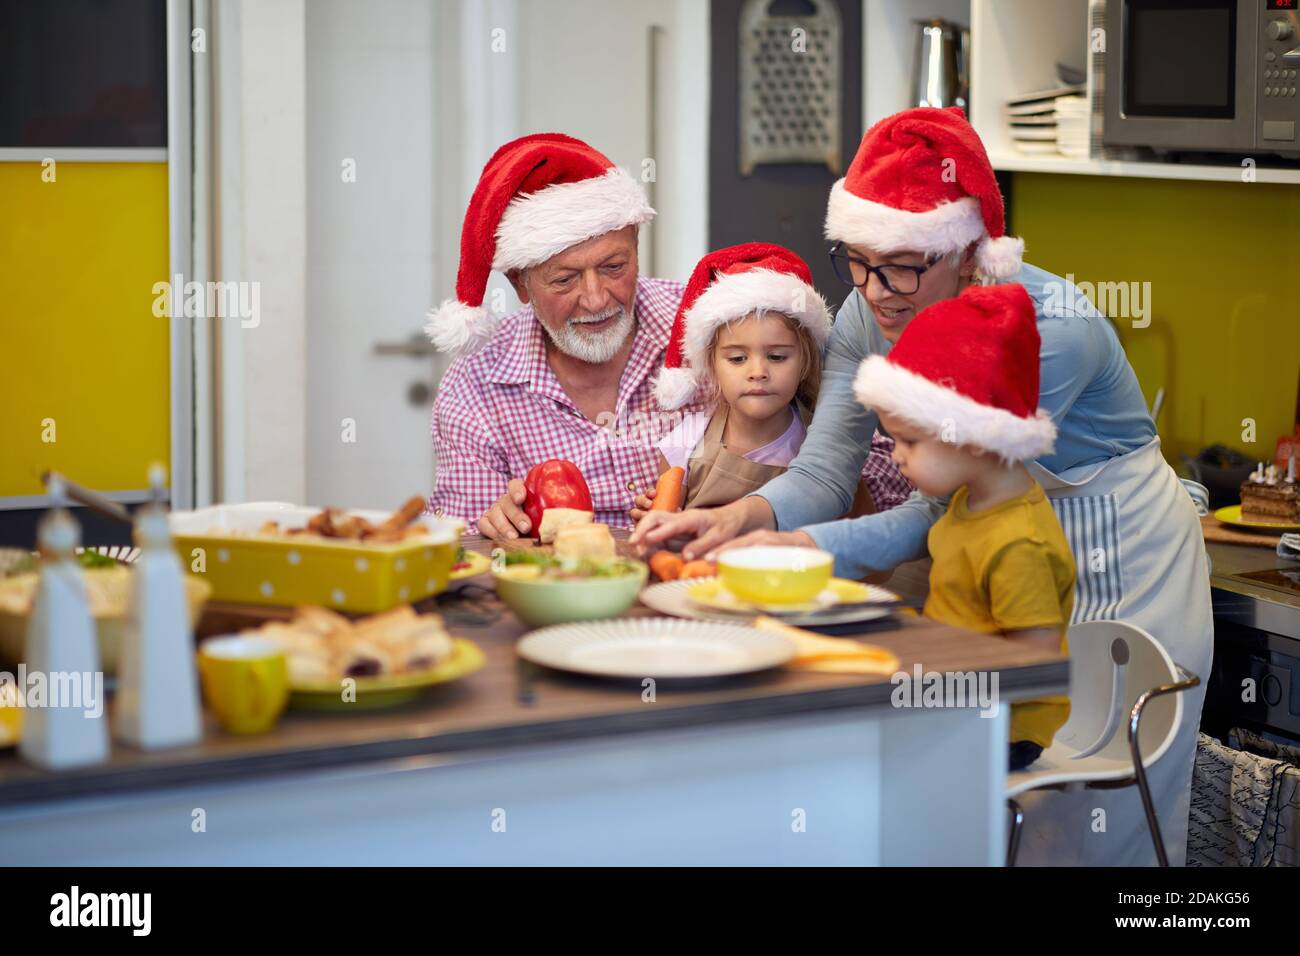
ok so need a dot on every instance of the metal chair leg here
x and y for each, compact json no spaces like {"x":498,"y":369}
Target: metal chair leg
{"x":1017,"y":820}
{"x":1139,"y":770}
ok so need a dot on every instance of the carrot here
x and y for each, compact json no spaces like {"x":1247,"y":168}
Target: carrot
{"x":668,"y":492}
{"x":666,"y":565}
{"x":699,"y":569}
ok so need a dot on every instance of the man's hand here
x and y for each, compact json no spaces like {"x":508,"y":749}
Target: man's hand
{"x":710,"y":527}
{"x":506,"y":519}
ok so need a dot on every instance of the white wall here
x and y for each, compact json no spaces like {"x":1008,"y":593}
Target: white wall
{"x":889,"y":45}
{"x":584,"y":70}
{"x":261,"y":214}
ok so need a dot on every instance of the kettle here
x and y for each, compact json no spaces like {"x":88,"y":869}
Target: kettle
{"x":941,"y":66}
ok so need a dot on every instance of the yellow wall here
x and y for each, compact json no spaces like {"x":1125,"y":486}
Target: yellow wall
{"x":1223,"y":260}
{"x":79,"y":343}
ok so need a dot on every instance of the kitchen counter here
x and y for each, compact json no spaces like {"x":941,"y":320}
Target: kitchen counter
{"x":1247,"y":602}
{"x":588,"y":771}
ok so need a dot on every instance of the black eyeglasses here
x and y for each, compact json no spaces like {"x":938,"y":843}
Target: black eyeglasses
{"x":900,"y":280}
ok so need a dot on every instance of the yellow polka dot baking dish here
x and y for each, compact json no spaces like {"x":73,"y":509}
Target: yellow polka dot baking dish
{"x":250,"y":554}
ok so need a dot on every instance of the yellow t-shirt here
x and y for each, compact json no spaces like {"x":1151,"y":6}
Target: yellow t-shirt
{"x":1007,"y":568}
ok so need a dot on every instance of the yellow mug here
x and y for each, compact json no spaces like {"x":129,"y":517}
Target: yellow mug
{"x":245,"y":682}
{"x":11,"y":716}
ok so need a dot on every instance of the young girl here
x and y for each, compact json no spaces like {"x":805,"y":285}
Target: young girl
{"x":749,"y":336}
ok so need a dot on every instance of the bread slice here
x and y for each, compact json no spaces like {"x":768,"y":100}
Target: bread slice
{"x":585,"y":541}
{"x":553,"y":519}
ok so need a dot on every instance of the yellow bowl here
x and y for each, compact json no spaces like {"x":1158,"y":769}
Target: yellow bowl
{"x":108,"y":592}
{"x":773,"y":574}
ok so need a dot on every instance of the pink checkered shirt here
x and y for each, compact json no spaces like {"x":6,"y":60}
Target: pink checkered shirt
{"x":887,"y":485}
{"x":501,"y":411}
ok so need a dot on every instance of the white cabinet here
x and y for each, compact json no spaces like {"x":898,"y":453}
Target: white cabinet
{"x":1015,"y":46}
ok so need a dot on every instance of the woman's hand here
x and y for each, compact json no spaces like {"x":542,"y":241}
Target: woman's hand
{"x":506,"y":520}
{"x":710,"y":527}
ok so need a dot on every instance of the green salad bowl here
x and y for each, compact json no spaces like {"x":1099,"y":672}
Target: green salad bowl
{"x":539,"y":600}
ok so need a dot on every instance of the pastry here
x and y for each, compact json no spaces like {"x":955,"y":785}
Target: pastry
{"x":323,"y":646}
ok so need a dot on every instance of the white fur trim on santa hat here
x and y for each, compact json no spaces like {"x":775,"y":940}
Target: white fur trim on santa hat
{"x":543,"y":224}
{"x":734,"y":296}
{"x":460,"y":329}
{"x":884,"y":386}
{"x":675,"y":387}
{"x":1000,"y":258}
{"x":946,"y":228}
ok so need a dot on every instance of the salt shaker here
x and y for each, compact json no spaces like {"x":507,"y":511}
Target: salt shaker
{"x":67,"y":728}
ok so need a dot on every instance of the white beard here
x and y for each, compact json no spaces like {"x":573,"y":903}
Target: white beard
{"x":593,"y":347}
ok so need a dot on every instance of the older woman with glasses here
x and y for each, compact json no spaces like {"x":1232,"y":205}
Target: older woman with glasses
{"x":918,"y":218}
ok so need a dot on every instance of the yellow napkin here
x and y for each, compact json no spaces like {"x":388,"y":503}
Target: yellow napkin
{"x":831,"y":654}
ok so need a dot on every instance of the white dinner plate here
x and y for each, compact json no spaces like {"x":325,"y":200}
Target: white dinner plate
{"x":659,"y":647}
{"x":671,"y":597}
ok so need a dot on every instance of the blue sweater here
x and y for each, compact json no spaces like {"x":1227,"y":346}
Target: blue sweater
{"x":1086,"y":385}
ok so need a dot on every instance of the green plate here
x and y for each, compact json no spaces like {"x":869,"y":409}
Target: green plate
{"x":377,"y":693}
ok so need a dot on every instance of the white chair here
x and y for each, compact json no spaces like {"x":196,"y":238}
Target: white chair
{"x":1117,"y":670}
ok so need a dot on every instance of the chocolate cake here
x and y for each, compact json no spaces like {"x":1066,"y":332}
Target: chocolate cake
{"x":1267,"y":497}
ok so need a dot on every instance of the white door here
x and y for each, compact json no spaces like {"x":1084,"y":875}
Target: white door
{"x":419,"y":95}
{"x":370,"y":212}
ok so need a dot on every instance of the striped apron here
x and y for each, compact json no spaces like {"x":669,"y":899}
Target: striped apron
{"x":1140,"y":558}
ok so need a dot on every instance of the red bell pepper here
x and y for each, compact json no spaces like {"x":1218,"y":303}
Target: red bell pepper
{"x":554,"y":484}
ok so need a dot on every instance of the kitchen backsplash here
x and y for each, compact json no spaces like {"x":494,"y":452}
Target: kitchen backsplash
{"x":1203,"y":280}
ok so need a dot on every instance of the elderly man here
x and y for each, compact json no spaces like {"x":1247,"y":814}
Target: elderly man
{"x":550,"y":380}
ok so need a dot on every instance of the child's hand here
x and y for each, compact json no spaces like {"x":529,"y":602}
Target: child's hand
{"x":643,"y":503}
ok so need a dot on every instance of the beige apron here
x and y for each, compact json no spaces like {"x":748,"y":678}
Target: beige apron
{"x":1141,"y":558}
{"x":715,"y":476}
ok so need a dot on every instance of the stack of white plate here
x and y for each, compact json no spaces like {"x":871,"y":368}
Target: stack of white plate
{"x":1033,"y":119}
{"x":1073,"y":117}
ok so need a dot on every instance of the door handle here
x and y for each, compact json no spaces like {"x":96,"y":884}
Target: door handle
{"x":416,"y":346}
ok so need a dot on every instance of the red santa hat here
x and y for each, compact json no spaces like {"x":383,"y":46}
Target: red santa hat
{"x":537,"y":196}
{"x":966,"y":369}
{"x":727,"y":285}
{"x":921,"y":181}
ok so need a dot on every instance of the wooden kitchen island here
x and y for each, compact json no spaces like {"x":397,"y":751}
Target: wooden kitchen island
{"x":513,"y":766}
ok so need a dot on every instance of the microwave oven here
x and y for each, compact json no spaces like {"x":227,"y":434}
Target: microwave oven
{"x":1203,"y":75}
